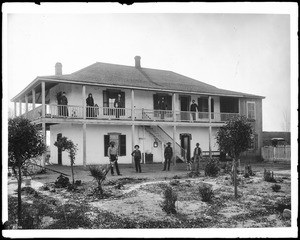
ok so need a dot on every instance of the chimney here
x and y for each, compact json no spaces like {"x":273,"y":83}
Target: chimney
{"x":58,"y":68}
{"x":137,"y":61}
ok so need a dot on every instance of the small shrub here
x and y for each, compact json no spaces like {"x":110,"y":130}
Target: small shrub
{"x":212,"y":167}
{"x":170,"y":198}
{"x":206,"y":193}
{"x":62,"y":182}
{"x":276,"y":187}
{"x":193,"y":174}
{"x":99,"y":174}
{"x":246,"y":175}
{"x":248,"y":171}
{"x":269,"y":176}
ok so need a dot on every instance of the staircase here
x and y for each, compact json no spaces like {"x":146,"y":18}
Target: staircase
{"x":158,"y":133}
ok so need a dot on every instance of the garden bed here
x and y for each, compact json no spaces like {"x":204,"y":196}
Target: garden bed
{"x":136,"y":203}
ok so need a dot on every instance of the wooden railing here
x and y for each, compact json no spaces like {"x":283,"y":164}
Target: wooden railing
{"x":107,"y":113}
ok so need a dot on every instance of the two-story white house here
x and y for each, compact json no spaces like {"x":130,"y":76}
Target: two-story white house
{"x":154,"y":110}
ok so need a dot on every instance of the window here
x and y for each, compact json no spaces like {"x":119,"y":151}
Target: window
{"x":162,"y":102}
{"x":203,"y":107}
{"x":120,"y":141}
{"x":251,"y":110}
{"x":109,"y":97}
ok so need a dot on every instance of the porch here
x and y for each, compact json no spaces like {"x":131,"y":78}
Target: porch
{"x":54,"y":111}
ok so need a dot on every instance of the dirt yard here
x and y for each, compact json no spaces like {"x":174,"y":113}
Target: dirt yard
{"x":134,"y":200}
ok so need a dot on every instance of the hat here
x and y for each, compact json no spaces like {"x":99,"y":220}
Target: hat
{"x":168,"y":143}
{"x":136,"y":146}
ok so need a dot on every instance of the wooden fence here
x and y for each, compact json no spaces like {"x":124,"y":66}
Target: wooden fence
{"x":270,"y":153}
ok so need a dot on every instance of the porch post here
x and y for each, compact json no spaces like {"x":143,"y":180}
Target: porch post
{"x":26,"y":104}
{"x":33,"y":98}
{"x":174,"y":145}
{"x":173,"y":106}
{"x":20,"y":107}
{"x":15,"y":108}
{"x":209,"y":134}
{"x":132,"y":105}
{"x":44,"y":138}
{"x":83,"y":101}
{"x":84,"y":144}
{"x":132,"y":140}
{"x":43,"y":100}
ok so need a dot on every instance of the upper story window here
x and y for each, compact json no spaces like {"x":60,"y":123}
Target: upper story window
{"x":203,"y":107}
{"x":162,"y":102}
{"x":251,"y":110}
{"x":113,"y":99}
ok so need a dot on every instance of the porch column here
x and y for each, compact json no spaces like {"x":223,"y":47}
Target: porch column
{"x":132,"y":140}
{"x":83,"y":101}
{"x":209,"y":117}
{"x":44,"y":138}
{"x":20,"y":107}
{"x":173,"y":106}
{"x":26,"y":105}
{"x":132,"y":105}
{"x":174,"y":145}
{"x":33,"y":98}
{"x":84,"y":144}
{"x":15,"y":108}
{"x":43,"y":100}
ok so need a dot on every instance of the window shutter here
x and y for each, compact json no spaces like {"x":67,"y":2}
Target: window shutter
{"x":212,"y":107}
{"x":105,"y":98}
{"x":122,"y":145}
{"x":106,"y":144}
{"x":169,"y":102}
{"x":155,"y":101}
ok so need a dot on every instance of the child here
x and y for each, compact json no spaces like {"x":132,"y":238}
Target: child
{"x":137,"y":158}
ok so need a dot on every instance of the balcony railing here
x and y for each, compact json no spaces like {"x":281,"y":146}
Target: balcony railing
{"x":107,"y":113}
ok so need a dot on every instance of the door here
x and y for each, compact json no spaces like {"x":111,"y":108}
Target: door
{"x":185,"y":107}
{"x":185,"y":140}
{"x":59,"y":151}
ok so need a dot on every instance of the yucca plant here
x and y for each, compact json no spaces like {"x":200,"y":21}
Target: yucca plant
{"x":99,"y":174}
{"x":170,"y":198}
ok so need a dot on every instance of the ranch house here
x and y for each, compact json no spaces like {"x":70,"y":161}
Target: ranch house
{"x":154,"y":110}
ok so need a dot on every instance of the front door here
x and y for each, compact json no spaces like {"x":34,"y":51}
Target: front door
{"x":59,"y":151}
{"x":185,"y":107}
{"x":185,"y":140}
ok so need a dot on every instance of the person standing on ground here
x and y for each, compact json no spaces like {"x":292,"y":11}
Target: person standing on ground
{"x":90,"y":106}
{"x":64,"y":102}
{"x":168,"y":156}
{"x":194,"y":108}
{"x":113,"y":158}
{"x":197,"y":157}
{"x":137,"y":158}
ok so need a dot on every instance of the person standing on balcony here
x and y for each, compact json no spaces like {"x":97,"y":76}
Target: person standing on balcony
{"x":194,"y":108}
{"x":137,"y":158}
{"x":118,"y":104}
{"x":112,"y":153}
{"x":64,"y":102}
{"x":197,"y":157}
{"x":168,"y":156}
{"x":90,"y":106}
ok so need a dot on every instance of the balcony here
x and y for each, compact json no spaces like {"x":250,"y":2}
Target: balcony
{"x":125,"y":114}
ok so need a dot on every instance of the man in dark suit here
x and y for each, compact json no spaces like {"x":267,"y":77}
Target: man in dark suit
{"x":168,"y":156}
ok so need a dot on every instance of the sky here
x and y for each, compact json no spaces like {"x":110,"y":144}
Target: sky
{"x":240,"y":51}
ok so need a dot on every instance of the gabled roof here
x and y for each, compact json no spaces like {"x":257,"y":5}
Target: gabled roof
{"x":141,"y":78}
